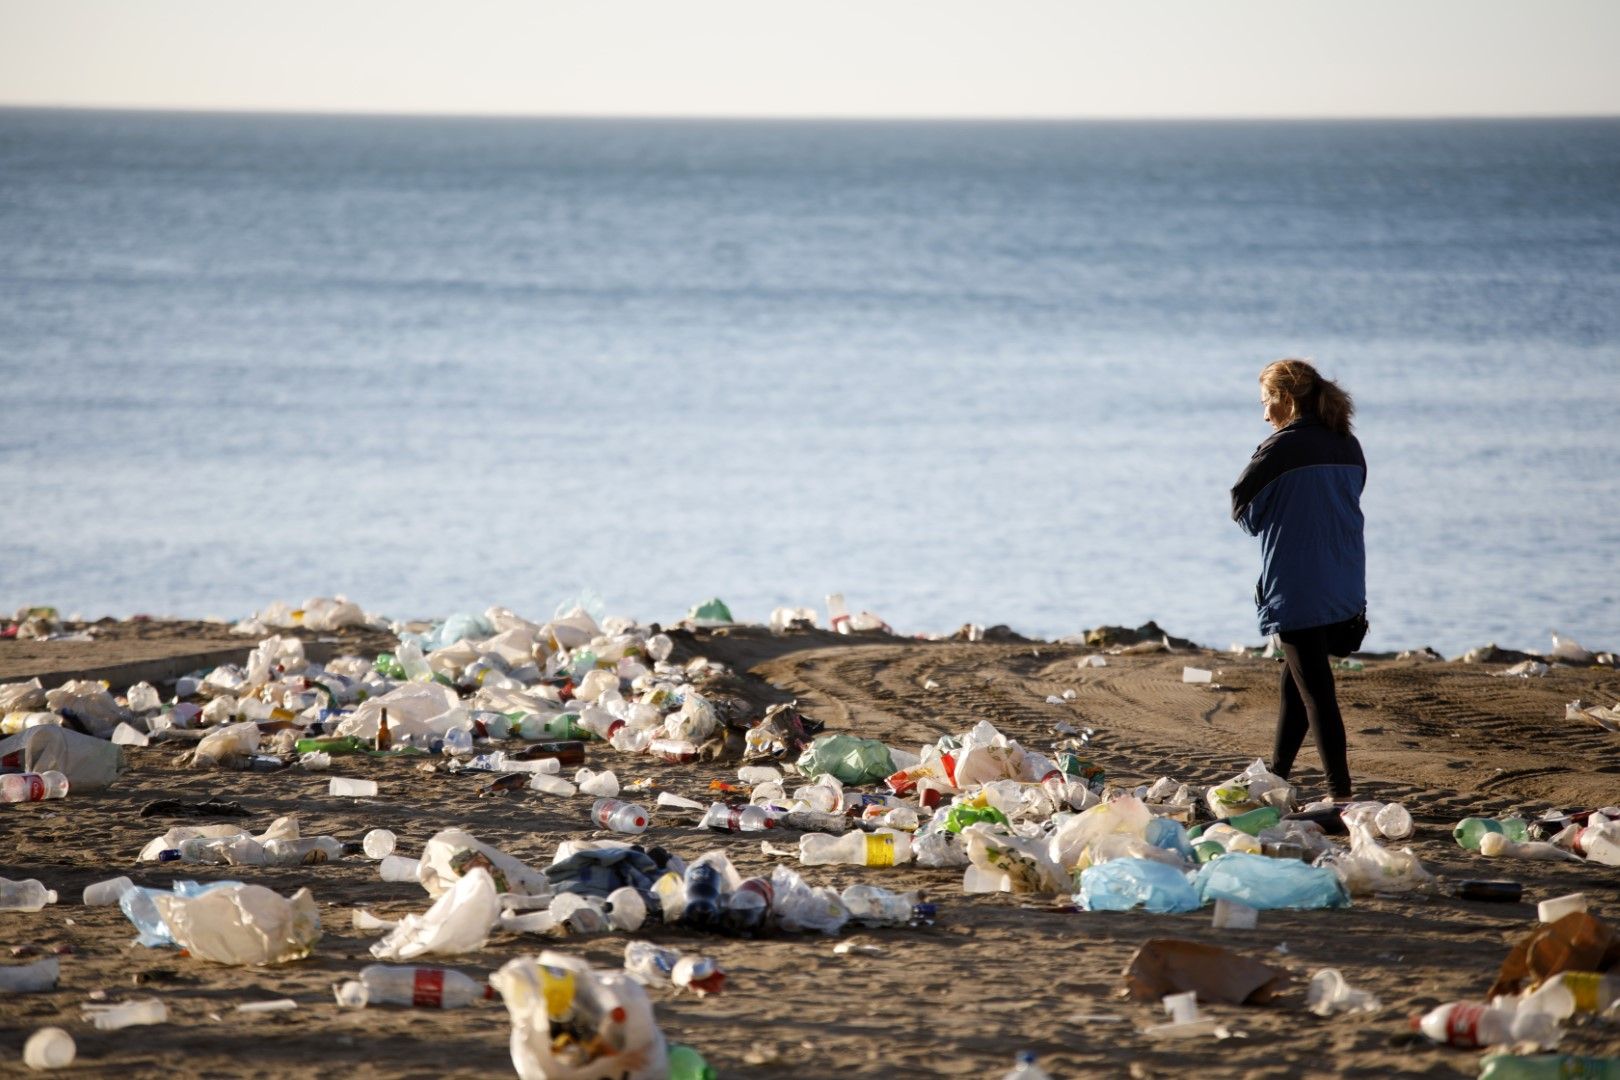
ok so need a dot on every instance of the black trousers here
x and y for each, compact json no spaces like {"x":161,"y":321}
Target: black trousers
{"x":1309,"y":702}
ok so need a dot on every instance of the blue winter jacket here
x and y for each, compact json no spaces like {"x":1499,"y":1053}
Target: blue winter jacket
{"x":1301,"y":495}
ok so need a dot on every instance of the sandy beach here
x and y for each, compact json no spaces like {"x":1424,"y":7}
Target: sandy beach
{"x":992,"y":976}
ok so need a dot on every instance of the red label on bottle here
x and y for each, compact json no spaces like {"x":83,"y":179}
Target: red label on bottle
{"x":427,"y":989}
{"x":36,"y":786}
{"x":1462,"y":1026}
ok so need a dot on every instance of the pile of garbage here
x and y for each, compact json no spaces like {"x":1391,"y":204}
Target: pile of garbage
{"x":516,"y":702}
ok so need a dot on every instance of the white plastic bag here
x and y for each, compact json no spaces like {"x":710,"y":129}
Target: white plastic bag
{"x":1071,"y":846}
{"x":242,"y":924}
{"x":573,"y":1022}
{"x":1369,"y":867}
{"x":1025,"y":861}
{"x":229,"y":743}
{"x":452,"y":852}
{"x":696,"y":719}
{"x":89,"y":703}
{"x":458,"y":922}
{"x":801,"y":908}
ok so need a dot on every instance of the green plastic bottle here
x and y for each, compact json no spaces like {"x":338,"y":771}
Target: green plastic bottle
{"x":686,"y":1063}
{"x":1548,"y":1067}
{"x":388,"y":666}
{"x":566,"y":726}
{"x":1253,"y":821}
{"x":1471,"y":830}
{"x":334,"y":745}
{"x":1208,"y":850}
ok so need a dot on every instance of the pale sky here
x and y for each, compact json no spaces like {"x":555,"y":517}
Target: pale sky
{"x":833,"y":58}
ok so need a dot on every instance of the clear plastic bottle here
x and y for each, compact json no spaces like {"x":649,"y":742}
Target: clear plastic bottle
{"x":624,"y":817}
{"x":649,"y":964}
{"x":1024,"y":1068}
{"x":1471,"y":1024}
{"x":422,"y":987}
{"x":127,"y":1014}
{"x":747,"y":819}
{"x":855,"y":848}
{"x":875,"y":906}
{"x":32,"y":787}
{"x":103,"y":893}
{"x":28,"y":895}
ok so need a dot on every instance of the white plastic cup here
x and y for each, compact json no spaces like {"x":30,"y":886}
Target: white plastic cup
{"x":1231,"y":915}
{"x":344,"y":786}
{"x":1182,"y":1008}
{"x":103,"y":893}
{"x":1553,"y":910}
{"x":398,"y":868}
{"x":378,"y":844}
{"x":1197,"y":675}
{"x":49,"y":1048}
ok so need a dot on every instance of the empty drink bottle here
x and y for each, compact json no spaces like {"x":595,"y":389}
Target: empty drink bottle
{"x":855,"y":848}
{"x":28,"y":895}
{"x":422,"y":987}
{"x":750,"y":905}
{"x":703,"y":890}
{"x":619,"y":816}
{"x":32,"y":787}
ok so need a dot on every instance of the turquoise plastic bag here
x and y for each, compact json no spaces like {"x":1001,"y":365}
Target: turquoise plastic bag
{"x":852,"y":760}
{"x":1122,"y":884}
{"x":1264,"y":883}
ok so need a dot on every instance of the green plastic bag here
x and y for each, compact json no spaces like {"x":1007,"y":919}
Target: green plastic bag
{"x":960,"y":817}
{"x":711,"y":613}
{"x":852,"y":760}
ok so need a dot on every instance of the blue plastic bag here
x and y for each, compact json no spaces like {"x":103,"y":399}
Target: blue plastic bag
{"x":1122,"y":884}
{"x":137,"y":906}
{"x":1264,"y":883}
{"x":1170,"y":835}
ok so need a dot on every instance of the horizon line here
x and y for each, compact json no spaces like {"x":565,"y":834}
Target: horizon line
{"x":1027,"y":118}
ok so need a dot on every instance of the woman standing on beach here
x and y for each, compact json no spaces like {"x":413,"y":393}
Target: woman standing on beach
{"x":1301,"y":495}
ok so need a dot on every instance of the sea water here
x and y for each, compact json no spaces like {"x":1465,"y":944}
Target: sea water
{"x":987,"y":372}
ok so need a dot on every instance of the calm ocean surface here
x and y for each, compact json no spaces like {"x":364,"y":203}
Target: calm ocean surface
{"x":959,"y":372}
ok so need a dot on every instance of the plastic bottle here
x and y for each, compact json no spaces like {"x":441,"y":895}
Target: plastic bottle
{"x":32,"y":787}
{"x":1548,"y":1067}
{"x":624,"y":817}
{"x":749,"y":906}
{"x":127,"y":1014}
{"x":703,"y":888}
{"x":333,"y":745}
{"x":103,"y":893}
{"x":747,"y":819}
{"x":855,"y":848}
{"x":879,"y":907}
{"x":626,"y":909}
{"x":398,"y":868}
{"x":30,"y":978}
{"x":673,"y":751}
{"x":1469,"y":831}
{"x":564,"y":726}
{"x":686,"y":1063}
{"x":1026,"y":1069}
{"x":27,"y":895}
{"x":1471,"y":1024}
{"x":649,"y":964}
{"x":422,"y":987}
{"x":49,"y":1048}
{"x":1570,"y":992}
